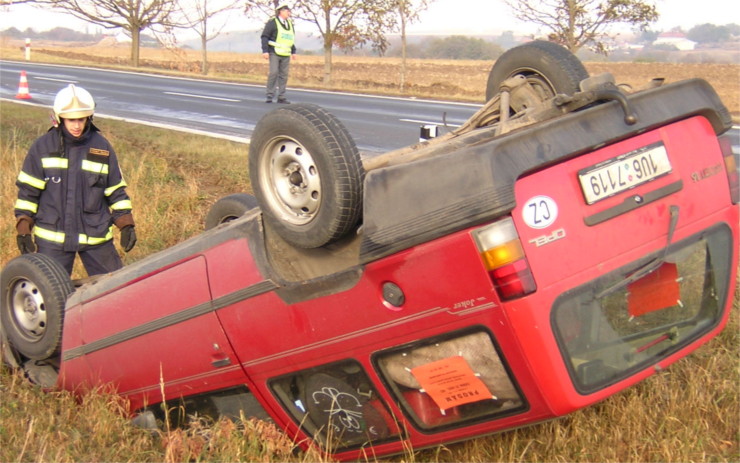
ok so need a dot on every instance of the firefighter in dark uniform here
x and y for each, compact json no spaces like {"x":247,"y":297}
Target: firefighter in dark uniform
{"x":278,"y":46}
{"x":71,"y":192}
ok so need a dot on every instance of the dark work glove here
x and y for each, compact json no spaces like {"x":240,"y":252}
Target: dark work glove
{"x":26,"y":244}
{"x":128,"y":238}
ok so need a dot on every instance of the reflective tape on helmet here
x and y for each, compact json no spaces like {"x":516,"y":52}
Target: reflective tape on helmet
{"x":54,"y":163}
{"x":109,"y":191}
{"x":95,"y":167}
{"x":24,"y":205}
{"x":121,"y":205}
{"x":33,"y":181}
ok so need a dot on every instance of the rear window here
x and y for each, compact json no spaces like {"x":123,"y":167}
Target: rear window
{"x":629,"y":319}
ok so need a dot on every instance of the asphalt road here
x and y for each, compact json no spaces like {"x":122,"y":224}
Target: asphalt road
{"x":378,"y":124}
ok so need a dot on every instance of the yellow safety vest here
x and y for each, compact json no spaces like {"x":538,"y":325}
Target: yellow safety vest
{"x":284,"y":39}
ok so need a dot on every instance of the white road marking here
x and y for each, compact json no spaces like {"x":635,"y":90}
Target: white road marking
{"x":56,"y":80}
{"x":205,"y":133}
{"x":416,"y":121}
{"x":190,"y":95}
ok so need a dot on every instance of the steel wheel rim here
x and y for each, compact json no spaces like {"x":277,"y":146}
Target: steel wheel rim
{"x":28,"y":310}
{"x":292,"y":181}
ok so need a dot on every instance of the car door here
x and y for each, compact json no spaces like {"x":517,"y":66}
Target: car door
{"x":158,"y":338}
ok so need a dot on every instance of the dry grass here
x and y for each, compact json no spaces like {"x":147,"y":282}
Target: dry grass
{"x":57,"y":426}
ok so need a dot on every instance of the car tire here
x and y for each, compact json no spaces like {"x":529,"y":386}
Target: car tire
{"x":229,"y":208}
{"x":34,"y":292}
{"x":307,"y":175}
{"x":548,"y":67}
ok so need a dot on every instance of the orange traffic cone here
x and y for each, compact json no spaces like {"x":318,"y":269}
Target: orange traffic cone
{"x":23,"y":88}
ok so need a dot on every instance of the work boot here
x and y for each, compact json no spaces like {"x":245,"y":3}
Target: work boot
{"x":283,"y":101}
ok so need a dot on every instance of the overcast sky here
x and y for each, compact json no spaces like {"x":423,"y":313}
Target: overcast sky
{"x":468,"y":17}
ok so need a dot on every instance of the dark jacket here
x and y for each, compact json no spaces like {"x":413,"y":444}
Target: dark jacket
{"x":269,"y":33}
{"x":74,"y":190}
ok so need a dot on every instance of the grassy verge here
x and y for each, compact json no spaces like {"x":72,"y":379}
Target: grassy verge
{"x":686,"y":413}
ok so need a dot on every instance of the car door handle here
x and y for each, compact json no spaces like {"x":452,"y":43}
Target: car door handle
{"x":221,"y":362}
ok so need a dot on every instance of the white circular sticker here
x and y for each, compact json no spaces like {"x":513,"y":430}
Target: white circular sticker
{"x":540,"y":212}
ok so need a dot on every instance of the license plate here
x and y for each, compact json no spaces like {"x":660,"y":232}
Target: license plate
{"x":619,"y":174}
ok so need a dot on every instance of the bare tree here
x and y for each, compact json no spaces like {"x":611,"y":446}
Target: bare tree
{"x":133,"y":16}
{"x":201,"y":16}
{"x":344,"y":24}
{"x":575,"y":23}
{"x":408,"y":12}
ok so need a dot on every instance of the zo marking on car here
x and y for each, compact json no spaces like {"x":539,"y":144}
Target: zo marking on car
{"x":540,"y":212}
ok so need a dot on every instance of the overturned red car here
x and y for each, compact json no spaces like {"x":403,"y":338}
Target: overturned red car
{"x":567,"y":242}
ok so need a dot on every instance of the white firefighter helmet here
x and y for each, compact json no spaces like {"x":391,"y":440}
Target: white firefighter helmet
{"x":282,"y":6}
{"x":73,"y":103}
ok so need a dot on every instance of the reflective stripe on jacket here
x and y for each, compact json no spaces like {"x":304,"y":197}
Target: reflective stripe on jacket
{"x":60,"y":237}
{"x":73,"y":197}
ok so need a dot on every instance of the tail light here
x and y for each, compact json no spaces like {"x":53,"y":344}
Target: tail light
{"x":503,"y":255}
{"x":732,"y":166}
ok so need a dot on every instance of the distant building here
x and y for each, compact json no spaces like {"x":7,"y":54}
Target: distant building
{"x":676,"y":39}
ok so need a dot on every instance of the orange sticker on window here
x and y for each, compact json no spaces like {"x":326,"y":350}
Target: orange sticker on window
{"x":655,"y":291}
{"x":451,"y":382}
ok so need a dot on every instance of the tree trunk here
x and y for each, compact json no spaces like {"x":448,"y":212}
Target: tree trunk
{"x":327,"y":61}
{"x":402,"y":84}
{"x":204,"y":55}
{"x":571,"y":39}
{"x":135,"y":38}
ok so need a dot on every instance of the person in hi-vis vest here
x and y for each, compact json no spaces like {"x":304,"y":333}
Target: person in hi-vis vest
{"x":278,"y":46}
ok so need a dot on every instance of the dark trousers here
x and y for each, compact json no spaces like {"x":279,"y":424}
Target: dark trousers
{"x":98,"y":259}
{"x":277,"y":79}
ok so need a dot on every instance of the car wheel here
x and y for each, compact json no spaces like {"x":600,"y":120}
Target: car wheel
{"x":229,"y":208}
{"x":34,"y":291}
{"x":548,"y":67}
{"x":307,"y":175}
